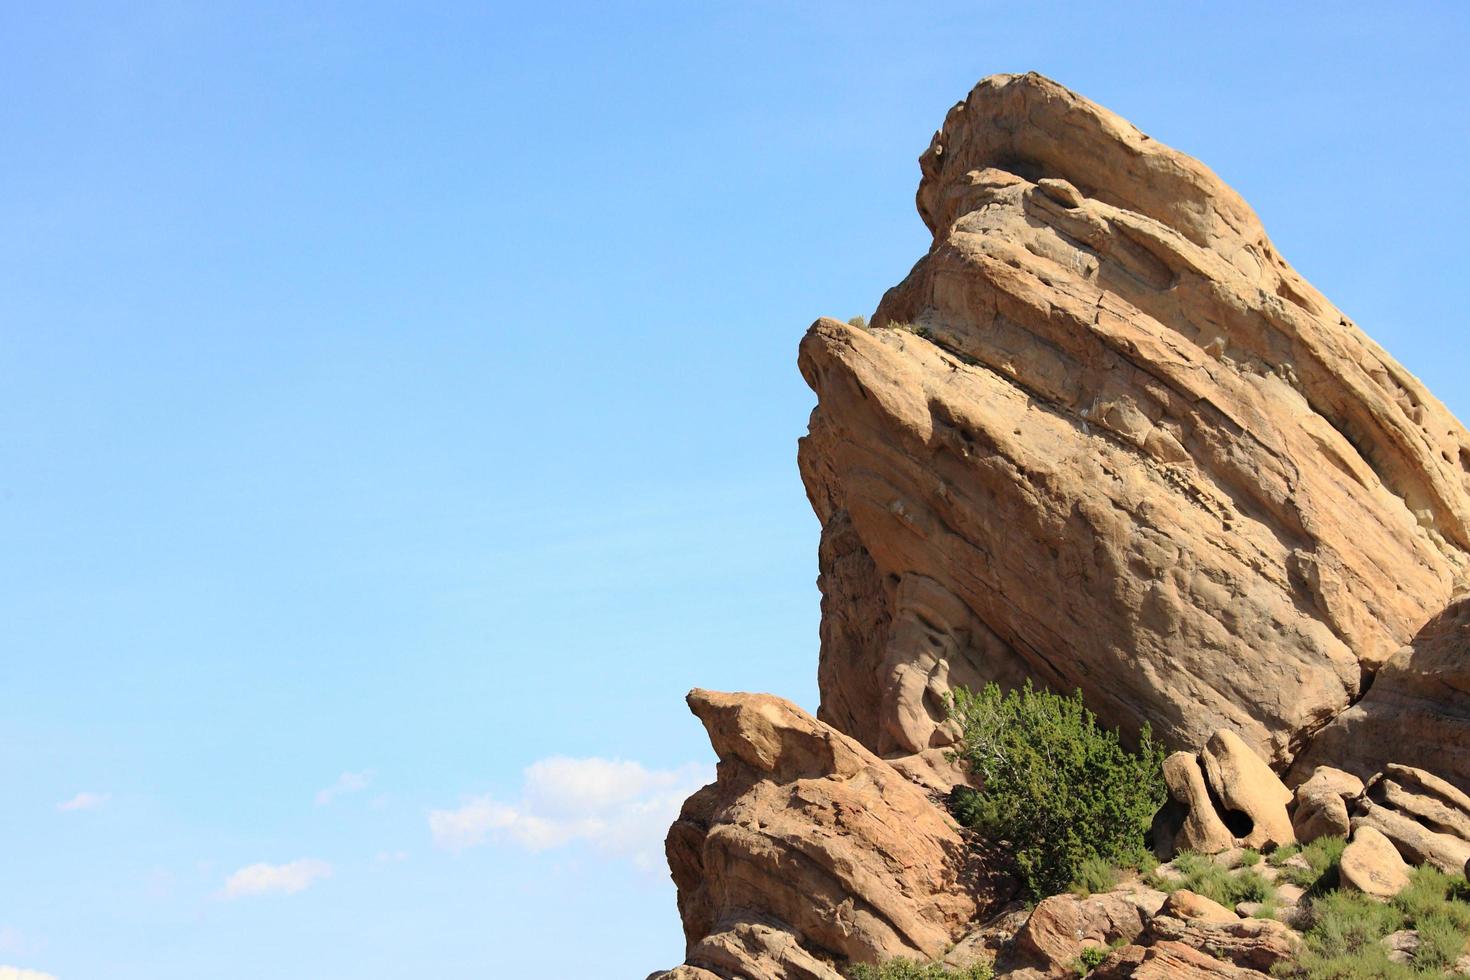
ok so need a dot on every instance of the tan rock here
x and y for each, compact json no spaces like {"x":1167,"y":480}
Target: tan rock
{"x":1169,"y":961}
{"x":1185,"y":904}
{"x":1415,"y":842}
{"x":809,"y":851}
{"x":1201,"y":829}
{"x":1321,"y":804}
{"x":1063,"y":925}
{"x":1258,"y":944}
{"x":1246,"y":785}
{"x":1417,"y":711}
{"x":1125,"y":448}
{"x":1371,"y":865}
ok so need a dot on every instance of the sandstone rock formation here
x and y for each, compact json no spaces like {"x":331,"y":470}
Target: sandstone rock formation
{"x":1102,"y":435}
{"x":1417,"y":712}
{"x":809,"y":851}
{"x":1426,"y":818}
{"x":1371,"y":865}
{"x":1225,"y":796}
{"x":1321,"y":804}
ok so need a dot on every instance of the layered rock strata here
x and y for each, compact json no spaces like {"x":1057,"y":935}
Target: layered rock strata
{"x":1104,"y":436}
{"x":809,"y":852}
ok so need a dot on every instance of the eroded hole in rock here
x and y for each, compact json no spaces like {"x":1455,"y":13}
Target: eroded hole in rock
{"x":1238,"y":823}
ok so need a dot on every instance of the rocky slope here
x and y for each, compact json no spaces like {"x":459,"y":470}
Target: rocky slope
{"x":1101,"y":437}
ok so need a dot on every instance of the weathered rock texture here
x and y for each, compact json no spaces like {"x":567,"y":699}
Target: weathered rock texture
{"x":1417,"y":712}
{"x":1102,"y":435}
{"x":1426,"y":818}
{"x":1223,"y":797}
{"x":809,"y":852}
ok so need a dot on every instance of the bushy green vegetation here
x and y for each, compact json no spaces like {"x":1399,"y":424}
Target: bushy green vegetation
{"x":1092,"y":957}
{"x":1057,"y":788}
{"x":1203,"y":876}
{"x":914,"y":970}
{"x":1322,"y":857}
{"x":859,"y":321}
{"x":1344,"y":940}
{"x":1095,"y":876}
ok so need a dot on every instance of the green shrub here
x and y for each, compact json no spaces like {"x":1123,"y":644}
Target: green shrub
{"x":1095,"y":876}
{"x":1344,"y":937}
{"x":914,"y":970}
{"x":1250,"y":857}
{"x":1203,"y":876}
{"x":1092,"y":957}
{"x":1055,"y":786}
{"x":1322,"y":856}
{"x":859,"y":321}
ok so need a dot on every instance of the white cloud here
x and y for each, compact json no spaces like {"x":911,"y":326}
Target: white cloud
{"x":16,"y":973}
{"x":615,"y":805}
{"x":284,"y":879}
{"x":345,"y":784}
{"x":82,"y":801}
{"x":391,"y":857}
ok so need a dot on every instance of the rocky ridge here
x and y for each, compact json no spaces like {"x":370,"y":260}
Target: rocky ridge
{"x":1101,"y":437}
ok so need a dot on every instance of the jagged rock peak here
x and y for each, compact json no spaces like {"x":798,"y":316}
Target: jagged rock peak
{"x":1104,"y":436}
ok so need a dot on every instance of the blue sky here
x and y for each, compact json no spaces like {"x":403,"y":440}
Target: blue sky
{"x":398,"y":412}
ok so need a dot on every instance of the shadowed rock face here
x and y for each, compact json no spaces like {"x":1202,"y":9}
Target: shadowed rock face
{"x":1103,"y":436}
{"x":1417,"y":711}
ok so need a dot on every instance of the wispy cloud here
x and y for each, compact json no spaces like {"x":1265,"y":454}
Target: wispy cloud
{"x":345,"y":785}
{"x":279,"y":879}
{"x":82,"y":801}
{"x":16,"y":973}
{"x":617,"y":806}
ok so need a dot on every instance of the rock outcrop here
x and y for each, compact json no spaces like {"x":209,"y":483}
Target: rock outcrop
{"x":1417,"y":712}
{"x":1225,"y":796}
{"x":809,"y":852}
{"x":1102,"y":435}
{"x":1426,"y":818}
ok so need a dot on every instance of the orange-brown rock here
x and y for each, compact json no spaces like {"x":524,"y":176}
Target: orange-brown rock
{"x":1062,"y":926}
{"x":1104,"y":436}
{"x":1169,"y":961}
{"x":1259,"y":944}
{"x":809,"y":852}
{"x":1417,"y":712}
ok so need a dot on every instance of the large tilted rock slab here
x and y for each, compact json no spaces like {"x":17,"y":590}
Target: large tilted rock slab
{"x":1417,"y":712}
{"x":1104,"y":436}
{"x":809,"y":852}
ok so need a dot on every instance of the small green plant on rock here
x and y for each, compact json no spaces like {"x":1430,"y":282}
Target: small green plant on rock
{"x":1056,"y":788}
{"x":901,"y":969}
{"x":1092,"y":957}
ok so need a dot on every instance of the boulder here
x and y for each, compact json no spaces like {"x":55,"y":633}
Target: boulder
{"x":1415,"y":842}
{"x":1321,"y":804}
{"x":1103,"y":436}
{"x":1258,"y":944}
{"x":1225,"y":797}
{"x":1185,"y":904}
{"x":1417,"y":712}
{"x":1426,"y":818}
{"x":1246,"y":785}
{"x":1371,"y":865}
{"x":809,"y":851}
{"x":1200,"y":828}
{"x":1063,"y":925}
{"x":1169,"y":961}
